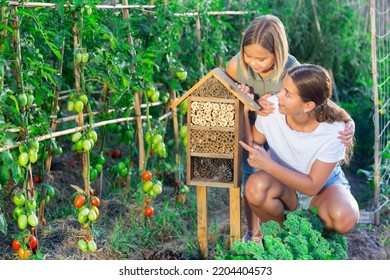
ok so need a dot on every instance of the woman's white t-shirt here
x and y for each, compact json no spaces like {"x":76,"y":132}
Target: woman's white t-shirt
{"x":298,"y":150}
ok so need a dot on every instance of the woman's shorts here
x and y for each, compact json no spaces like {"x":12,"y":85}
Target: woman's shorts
{"x":337,"y":177}
{"x":247,"y":170}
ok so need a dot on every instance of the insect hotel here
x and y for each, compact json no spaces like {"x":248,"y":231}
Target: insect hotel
{"x":214,"y":156}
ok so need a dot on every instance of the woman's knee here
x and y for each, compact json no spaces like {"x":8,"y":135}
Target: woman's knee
{"x":344,"y":217}
{"x":256,"y":187}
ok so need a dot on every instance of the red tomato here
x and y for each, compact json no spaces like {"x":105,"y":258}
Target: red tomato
{"x":32,"y":242}
{"x":177,"y":183}
{"x":16,"y":244}
{"x":95,"y":201}
{"x":147,"y":200}
{"x":116,"y":153}
{"x":79,"y":201}
{"x":91,"y":191}
{"x":37,"y":179}
{"x":149,"y":210}
{"x":146,"y":175}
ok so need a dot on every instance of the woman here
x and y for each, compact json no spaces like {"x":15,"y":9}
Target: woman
{"x":302,"y":167}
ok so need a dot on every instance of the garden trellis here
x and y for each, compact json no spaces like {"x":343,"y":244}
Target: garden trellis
{"x":380,"y":35}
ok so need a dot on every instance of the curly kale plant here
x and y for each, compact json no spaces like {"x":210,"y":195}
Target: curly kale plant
{"x":302,"y":237}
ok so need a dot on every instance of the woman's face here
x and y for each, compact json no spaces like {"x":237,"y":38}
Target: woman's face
{"x":259,"y":59}
{"x":290,"y":102}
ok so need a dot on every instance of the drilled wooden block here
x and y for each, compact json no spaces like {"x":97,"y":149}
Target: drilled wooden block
{"x":203,"y":141}
{"x":212,"y":114}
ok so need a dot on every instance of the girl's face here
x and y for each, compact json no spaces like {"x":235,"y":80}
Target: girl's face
{"x":259,"y":59}
{"x":290,"y":102}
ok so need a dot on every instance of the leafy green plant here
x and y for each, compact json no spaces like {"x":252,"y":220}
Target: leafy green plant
{"x":302,"y":237}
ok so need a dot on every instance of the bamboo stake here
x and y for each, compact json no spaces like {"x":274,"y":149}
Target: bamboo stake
{"x":4,"y":17}
{"x":198,"y":36}
{"x":137,"y":102}
{"x":313,"y":5}
{"x":376,"y":114}
{"x":71,"y":130}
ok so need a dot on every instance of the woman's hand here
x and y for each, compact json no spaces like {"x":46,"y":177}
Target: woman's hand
{"x":267,"y":107}
{"x":257,"y":155}
{"x":346,"y":136}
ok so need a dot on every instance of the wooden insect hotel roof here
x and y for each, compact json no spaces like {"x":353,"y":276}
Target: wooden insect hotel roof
{"x":227,"y":82}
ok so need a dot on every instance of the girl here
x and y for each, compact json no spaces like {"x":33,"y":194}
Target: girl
{"x":302,"y":167}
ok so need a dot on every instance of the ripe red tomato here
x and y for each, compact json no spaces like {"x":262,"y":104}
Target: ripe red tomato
{"x":91,"y":191}
{"x":116,"y":153}
{"x":79,"y":201}
{"x":146,"y":175}
{"x":37,"y":179}
{"x":149,"y":210}
{"x":32,"y":242}
{"x":147,"y":200}
{"x":95,"y":201}
{"x":16,"y":244}
{"x":177,"y":183}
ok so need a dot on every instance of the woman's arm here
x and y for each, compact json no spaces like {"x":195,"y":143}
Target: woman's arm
{"x":309,"y":184}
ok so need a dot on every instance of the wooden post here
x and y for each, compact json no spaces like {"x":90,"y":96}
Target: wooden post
{"x":235,"y":214}
{"x":202,"y":219}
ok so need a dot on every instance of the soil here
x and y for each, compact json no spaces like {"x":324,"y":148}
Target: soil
{"x":58,"y":238}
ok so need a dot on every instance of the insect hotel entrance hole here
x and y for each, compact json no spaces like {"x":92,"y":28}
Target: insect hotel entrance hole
{"x":214,"y":128}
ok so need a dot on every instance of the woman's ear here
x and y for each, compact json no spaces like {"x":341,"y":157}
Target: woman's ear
{"x":309,"y":106}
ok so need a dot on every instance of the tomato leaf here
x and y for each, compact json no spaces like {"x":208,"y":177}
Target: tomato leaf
{"x":3,"y":224}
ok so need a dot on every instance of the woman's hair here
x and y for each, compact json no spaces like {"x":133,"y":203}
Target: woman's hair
{"x":268,"y":32}
{"x":315,"y":85}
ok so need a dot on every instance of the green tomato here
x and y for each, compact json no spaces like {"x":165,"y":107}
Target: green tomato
{"x":147,"y":185}
{"x":76,"y":137}
{"x":100,"y":159}
{"x":150,"y":90}
{"x":22,"y":99}
{"x":32,"y":220}
{"x":33,"y":156}
{"x":19,"y":210}
{"x":84,"y":57}
{"x":31,"y":204}
{"x":87,"y":145}
{"x":92,"y":246}
{"x":92,"y":134}
{"x":157,"y":188}
{"x":19,"y":199}
{"x":93,"y":173}
{"x":79,"y":106}
{"x":23,"y":159}
{"x":181,"y":75}
{"x":99,"y":167}
{"x":157,"y":139}
{"x":22,"y":221}
{"x":70,"y":105}
{"x":148,"y":136}
{"x":155,"y":97}
{"x":30,"y":99}
{"x":83,"y":246}
{"x":82,"y":218}
{"x":78,"y":57}
{"x":92,"y":216}
{"x":83,"y":98}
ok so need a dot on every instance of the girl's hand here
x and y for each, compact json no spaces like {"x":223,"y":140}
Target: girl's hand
{"x":257,"y":155}
{"x":346,"y":136}
{"x":267,"y":107}
{"x":247,"y":91}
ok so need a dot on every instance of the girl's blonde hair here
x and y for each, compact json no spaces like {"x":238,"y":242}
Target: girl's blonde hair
{"x":268,"y":32}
